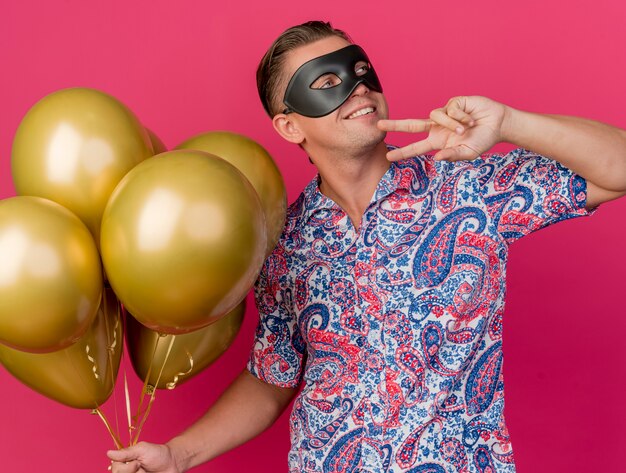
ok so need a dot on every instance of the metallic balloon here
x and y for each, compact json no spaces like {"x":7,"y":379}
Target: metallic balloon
{"x":73,"y":147}
{"x":178,"y":358}
{"x":50,"y":275}
{"x":183,"y":240}
{"x":258,"y":166}
{"x":82,"y":375}
{"x":157,"y":144}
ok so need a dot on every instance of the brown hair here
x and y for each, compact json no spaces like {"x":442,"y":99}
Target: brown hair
{"x":269,"y":73}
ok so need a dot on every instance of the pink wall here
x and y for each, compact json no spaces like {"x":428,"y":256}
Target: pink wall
{"x":186,"y":67}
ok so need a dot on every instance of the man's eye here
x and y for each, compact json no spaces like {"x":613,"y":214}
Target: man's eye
{"x":326,"y":82}
{"x":361,"y":68}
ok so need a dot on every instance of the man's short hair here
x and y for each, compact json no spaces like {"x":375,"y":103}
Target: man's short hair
{"x":269,"y":74}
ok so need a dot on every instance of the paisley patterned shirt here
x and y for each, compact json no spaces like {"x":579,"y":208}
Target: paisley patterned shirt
{"x":394,"y":329}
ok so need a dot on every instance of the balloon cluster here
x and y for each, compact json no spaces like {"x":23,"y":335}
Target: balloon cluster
{"x":106,"y":219}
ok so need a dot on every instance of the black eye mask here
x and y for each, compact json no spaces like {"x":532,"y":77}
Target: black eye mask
{"x":315,"y":103}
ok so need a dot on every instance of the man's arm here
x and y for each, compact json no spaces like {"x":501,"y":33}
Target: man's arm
{"x":469,"y":126}
{"x":245,"y":409}
{"x":591,"y":149}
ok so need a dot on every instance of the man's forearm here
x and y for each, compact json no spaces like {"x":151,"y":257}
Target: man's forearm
{"x":245,"y":409}
{"x":591,"y":149}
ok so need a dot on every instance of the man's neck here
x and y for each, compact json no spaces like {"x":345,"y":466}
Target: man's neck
{"x":351,"y":182}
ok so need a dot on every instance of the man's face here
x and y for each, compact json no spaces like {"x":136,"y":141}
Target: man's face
{"x":351,"y":128}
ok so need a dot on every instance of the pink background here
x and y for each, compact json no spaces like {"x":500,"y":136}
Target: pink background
{"x":186,"y":67}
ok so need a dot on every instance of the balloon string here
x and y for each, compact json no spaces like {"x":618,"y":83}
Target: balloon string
{"x":167,"y":355}
{"x":130,"y":423}
{"x":153,"y":390}
{"x":111,"y":350}
{"x":147,"y":389}
{"x":114,"y":436}
{"x":92,"y":360}
{"x":144,"y":418}
{"x":96,"y":410}
{"x":111,"y":345}
{"x":172,"y":384}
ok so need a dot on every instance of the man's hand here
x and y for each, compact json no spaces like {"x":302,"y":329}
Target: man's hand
{"x":143,"y":458}
{"x":243,"y":411}
{"x":462,"y":130}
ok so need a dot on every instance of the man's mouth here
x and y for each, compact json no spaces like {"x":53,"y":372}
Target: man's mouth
{"x":360,"y":112}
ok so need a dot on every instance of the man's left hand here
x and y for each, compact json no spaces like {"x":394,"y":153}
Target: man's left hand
{"x":462,"y":130}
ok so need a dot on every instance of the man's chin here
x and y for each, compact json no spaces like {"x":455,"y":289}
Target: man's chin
{"x":367,"y":141}
{"x":376,"y":137}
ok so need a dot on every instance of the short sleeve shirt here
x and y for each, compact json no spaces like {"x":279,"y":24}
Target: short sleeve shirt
{"x":394,"y":329}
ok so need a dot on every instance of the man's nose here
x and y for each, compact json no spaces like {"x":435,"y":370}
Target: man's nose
{"x":361,"y":89}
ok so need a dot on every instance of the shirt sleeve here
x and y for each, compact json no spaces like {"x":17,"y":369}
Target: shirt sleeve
{"x":278,"y":350}
{"x":525,"y":192}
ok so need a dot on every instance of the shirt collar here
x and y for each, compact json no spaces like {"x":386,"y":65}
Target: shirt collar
{"x":315,"y":201}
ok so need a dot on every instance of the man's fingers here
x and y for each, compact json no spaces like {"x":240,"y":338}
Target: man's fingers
{"x":440,"y":117}
{"x":415,"y":149}
{"x":456,"y":153}
{"x":414,"y":125}
{"x":460,"y":115}
{"x":123,"y":467}
{"x":123,"y":455}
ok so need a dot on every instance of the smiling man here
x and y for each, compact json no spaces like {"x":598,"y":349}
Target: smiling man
{"x":384,"y":297}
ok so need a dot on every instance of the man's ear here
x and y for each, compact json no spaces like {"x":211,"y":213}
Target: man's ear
{"x":287,"y":128}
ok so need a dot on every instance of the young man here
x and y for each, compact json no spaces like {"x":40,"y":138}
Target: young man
{"x":384,"y":297}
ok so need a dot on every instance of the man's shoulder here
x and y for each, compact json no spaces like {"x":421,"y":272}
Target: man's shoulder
{"x":296,"y":209}
{"x":293,"y":221}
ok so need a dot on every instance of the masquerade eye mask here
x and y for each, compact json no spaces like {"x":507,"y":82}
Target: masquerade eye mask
{"x":302,"y":98}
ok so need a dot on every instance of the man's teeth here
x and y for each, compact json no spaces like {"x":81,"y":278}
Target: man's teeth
{"x":363,"y":111}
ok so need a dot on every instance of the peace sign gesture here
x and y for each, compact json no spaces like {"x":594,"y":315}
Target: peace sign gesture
{"x":462,"y":130}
